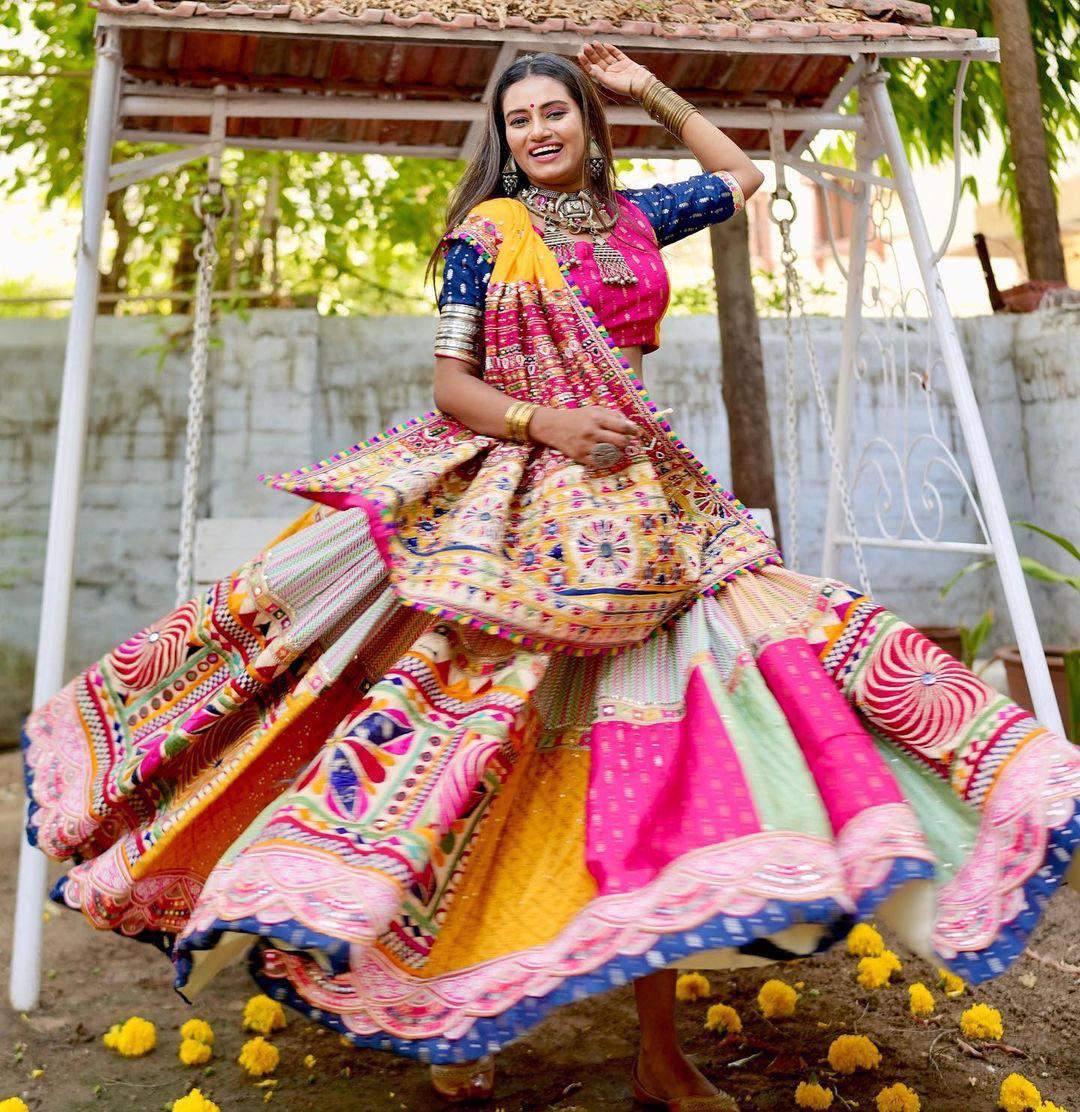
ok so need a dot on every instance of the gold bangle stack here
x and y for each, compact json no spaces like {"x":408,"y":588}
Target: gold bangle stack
{"x":666,"y":106}
{"x":517,"y":419}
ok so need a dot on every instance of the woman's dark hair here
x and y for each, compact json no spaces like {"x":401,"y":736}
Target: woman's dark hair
{"x":482,"y":177}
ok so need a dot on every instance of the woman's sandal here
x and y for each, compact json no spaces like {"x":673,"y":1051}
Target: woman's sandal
{"x":461,"y":1081}
{"x":718,"y":1102}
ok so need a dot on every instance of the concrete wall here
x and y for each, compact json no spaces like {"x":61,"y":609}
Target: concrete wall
{"x":287,"y":388}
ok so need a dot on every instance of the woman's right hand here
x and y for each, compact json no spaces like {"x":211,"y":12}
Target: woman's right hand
{"x":575,"y":432}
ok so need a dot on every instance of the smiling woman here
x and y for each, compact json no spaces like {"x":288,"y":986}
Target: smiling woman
{"x":527,"y":706}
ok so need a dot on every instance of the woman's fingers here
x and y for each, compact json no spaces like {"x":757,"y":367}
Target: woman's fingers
{"x":612,"y":419}
{"x":608,"y":436}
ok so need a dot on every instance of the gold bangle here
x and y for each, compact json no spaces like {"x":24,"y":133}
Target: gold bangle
{"x":517,"y":419}
{"x":666,"y":106}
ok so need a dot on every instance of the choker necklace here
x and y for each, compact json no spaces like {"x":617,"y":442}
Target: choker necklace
{"x":576,"y":213}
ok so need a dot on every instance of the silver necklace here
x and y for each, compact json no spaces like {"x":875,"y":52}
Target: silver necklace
{"x":577,"y":213}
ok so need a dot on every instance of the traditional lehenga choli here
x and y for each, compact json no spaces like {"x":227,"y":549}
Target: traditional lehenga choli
{"x":486,"y":731}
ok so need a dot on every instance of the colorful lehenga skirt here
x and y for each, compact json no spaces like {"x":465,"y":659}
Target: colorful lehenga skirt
{"x":486,"y":732}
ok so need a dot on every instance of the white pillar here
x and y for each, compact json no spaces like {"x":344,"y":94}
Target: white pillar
{"x":66,"y":484}
{"x":982,"y":461}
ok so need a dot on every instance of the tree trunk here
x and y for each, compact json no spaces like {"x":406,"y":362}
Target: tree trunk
{"x":115,"y":279}
{"x":1027,"y":137}
{"x":743,"y":375}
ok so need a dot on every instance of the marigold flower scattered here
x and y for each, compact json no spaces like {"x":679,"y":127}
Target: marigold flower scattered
{"x":199,"y":1030}
{"x":1050,"y":1106}
{"x":195,"y":1102}
{"x":692,"y":986}
{"x":849,"y":1053}
{"x":133,"y":1038}
{"x":874,"y":972}
{"x":811,"y":1095}
{"x":309,"y":1062}
{"x":723,"y":1019}
{"x":777,"y":1000}
{"x":922,"y":999}
{"x":951,"y":984}
{"x":865,"y":942}
{"x":892,"y":961}
{"x":1017,"y":1094}
{"x":14,"y":1104}
{"x":263,"y":1015}
{"x":898,"y":1098}
{"x":980,"y":1021}
{"x":259,"y":1057}
{"x":194,"y":1053}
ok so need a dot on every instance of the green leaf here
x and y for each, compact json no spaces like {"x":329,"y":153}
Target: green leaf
{"x":1048,"y":575}
{"x":976,"y":565}
{"x":1072,"y":681}
{"x":1063,"y":542}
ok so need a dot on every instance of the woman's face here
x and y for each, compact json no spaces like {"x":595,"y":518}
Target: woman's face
{"x":545,"y":132}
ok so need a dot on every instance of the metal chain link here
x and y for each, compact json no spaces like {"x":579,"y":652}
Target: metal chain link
{"x":793,"y":297}
{"x":210,"y":207}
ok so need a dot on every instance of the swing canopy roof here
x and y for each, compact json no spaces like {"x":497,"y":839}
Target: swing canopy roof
{"x":409,"y":77}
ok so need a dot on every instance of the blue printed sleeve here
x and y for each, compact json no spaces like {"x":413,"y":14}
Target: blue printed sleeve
{"x":465,"y":276}
{"x":678,"y":210}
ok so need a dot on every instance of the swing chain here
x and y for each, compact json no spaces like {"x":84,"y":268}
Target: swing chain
{"x":793,"y":296}
{"x":210,"y":207}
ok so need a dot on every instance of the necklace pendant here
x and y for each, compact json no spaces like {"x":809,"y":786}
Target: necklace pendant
{"x":612,"y":264}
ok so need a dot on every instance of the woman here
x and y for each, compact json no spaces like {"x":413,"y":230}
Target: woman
{"x":526,"y":706}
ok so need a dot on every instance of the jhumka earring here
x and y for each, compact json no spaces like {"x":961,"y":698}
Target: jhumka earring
{"x":596,"y":160}
{"x":510,"y":179}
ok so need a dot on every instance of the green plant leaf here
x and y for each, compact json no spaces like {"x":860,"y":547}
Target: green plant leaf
{"x":975,"y":565}
{"x":1064,"y":542}
{"x":1072,"y":680}
{"x":1048,"y":575}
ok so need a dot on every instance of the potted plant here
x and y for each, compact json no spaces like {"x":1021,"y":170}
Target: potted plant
{"x":1062,"y":660}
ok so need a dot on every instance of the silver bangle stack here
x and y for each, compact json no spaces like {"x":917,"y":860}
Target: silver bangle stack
{"x":459,"y":331}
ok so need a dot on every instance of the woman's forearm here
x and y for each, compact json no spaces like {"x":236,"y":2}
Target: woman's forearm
{"x":461,"y":394}
{"x":715,"y":151}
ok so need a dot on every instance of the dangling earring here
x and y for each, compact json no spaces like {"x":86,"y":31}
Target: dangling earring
{"x":597,"y":165}
{"x":510,"y":179}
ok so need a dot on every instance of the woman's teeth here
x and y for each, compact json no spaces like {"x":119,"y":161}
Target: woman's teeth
{"x":546,"y":154}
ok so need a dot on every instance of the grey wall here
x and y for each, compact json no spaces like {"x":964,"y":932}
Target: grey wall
{"x":288,"y":387}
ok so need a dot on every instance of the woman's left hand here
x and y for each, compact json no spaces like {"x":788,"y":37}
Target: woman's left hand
{"x":608,"y":66}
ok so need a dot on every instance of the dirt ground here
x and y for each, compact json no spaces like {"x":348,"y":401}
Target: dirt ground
{"x":579,"y":1058}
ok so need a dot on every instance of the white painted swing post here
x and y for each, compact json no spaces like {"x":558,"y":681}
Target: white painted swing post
{"x":982,"y":462}
{"x":835,"y":527}
{"x":66,"y":485}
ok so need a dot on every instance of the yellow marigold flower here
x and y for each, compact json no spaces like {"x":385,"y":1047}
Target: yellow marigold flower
{"x":1017,"y":1094}
{"x":133,"y":1038}
{"x":865,"y":942}
{"x":922,"y":999}
{"x":849,"y":1053}
{"x":811,"y":1095}
{"x":194,"y":1053}
{"x":874,"y":972}
{"x":309,"y":1062}
{"x":981,"y":1021}
{"x":892,"y":961}
{"x":199,"y":1030}
{"x":898,"y":1098}
{"x":776,"y":1000}
{"x":194,"y":1102}
{"x":692,"y":986}
{"x":1050,"y":1106}
{"x":14,"y":1104}
{"x":951,"y":984}
{"x":258,"y":1056}
{"x":263,"y":1015}
{"x":723,"y":1019}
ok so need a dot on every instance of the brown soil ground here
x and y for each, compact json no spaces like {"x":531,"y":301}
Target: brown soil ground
{"x":578,"y":1059}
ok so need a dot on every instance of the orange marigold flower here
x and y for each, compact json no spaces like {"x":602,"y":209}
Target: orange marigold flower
{"x":951,"y":984}
{"x":194,"y":1102}
{"x":259,"y":1057}
{"x":864,"y":941}
{"x":811,"y":1095}
{"x":777,"y":1000}
{"x":922,"y":999}
{"x":849,"y":1053}
{"x":898,"y":1098}
{"x":692,"y":986}
{"x":1017,"y":1094}
{"x":133,"y":1038}
{"x":980,"y":1021}
{"x":263,"y":1015}
{"x":723,"y":1019}
{"x":194,"y":1053}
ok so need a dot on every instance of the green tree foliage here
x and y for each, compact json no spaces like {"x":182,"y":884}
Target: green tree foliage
{"x":350,"y":234}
